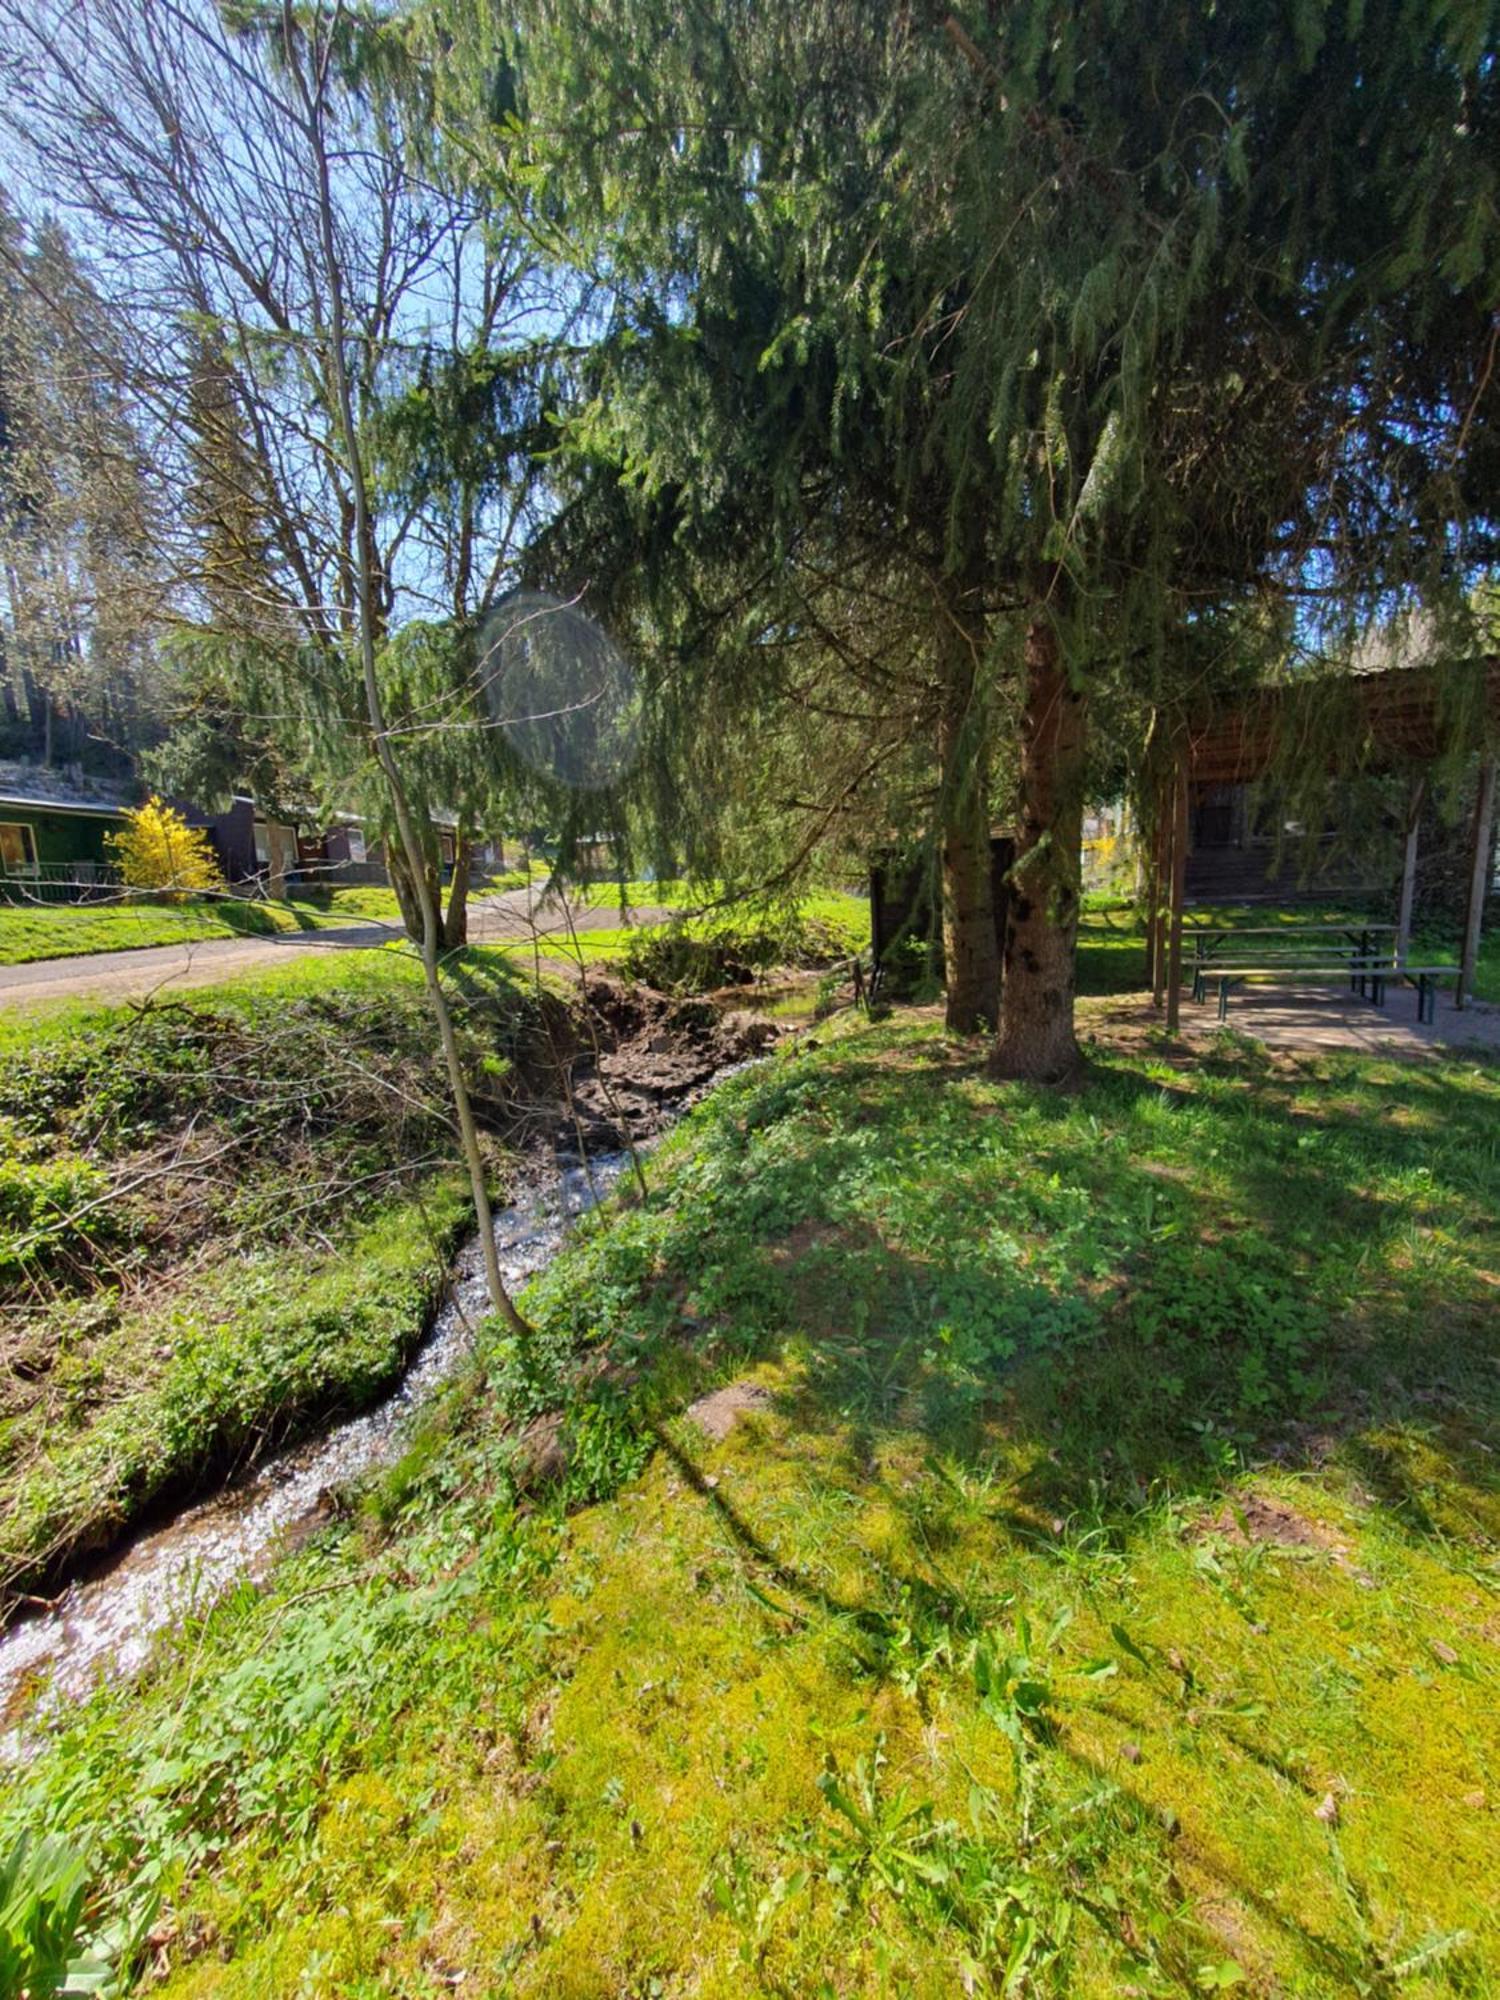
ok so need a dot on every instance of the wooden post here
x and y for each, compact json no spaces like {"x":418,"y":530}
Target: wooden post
{"x":1409,"y":871}
{"x":1179,"y":888}
{"x":1161,"y":850}
{"x":1479,"y":880}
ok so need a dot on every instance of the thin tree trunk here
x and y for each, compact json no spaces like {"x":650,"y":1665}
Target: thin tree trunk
{"x":456,"y":921}
{"x":1147,"y":900}
{"x":971,"y":952}
{"x":1179,"y":885}
{"x":1161,"y":848}
{"x":1036,"y":1039}
{"x":1480,"y":871}
{"x":500,"y":1298}
{"x":408,"y":901}
{"x":1409,"y":868}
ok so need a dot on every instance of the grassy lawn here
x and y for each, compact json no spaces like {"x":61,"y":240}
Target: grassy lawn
{"x":311,"y":979}
{"x":363,"y":903}
{"x":1097,"y":1596}
{"x":1437,"y":949}
{"x":220,"y":1220}
{"x":68,"y":930}
{"x":835,"y":907}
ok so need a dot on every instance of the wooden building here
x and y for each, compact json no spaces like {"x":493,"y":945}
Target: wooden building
{"x":52,"y":847}
{"x":1392,"y":718}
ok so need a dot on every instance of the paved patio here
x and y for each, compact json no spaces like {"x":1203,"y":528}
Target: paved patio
{"x":1323,"y":1017}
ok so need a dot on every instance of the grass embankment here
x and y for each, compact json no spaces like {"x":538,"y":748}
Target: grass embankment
{"x":1098,"y":1597}
{"x":219,"y":1220}
{"x":29,"y":932}
{"x":69,"y":930}
{"x":742,"y":941}
{"x":687,"y":952}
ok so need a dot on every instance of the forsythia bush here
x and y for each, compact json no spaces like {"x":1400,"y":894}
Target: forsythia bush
{"x":159,"y":850}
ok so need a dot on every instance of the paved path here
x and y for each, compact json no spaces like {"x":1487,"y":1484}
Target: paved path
{"x":135,"y":975}
{"x":1323,"y":1017}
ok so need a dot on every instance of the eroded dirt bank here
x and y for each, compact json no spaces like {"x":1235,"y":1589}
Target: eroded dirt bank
{"x":225,"y":1227}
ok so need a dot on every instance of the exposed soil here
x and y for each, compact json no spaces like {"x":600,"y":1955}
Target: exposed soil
{"x":657,"y":1054}
{"x":1253,"y":1517}
{"x":716,"y":1415}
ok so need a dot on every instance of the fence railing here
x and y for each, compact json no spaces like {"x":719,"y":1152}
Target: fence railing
{"x":61,"y":882}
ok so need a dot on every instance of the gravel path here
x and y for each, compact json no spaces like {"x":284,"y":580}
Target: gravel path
{"x":136,"y":975}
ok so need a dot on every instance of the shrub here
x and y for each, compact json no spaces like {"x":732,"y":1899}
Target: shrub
{"x":695,"y":956}
{"x":159,"y":850}
{"x":37,"y":1200}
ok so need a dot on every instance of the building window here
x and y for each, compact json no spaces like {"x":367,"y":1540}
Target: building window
{"x":17,"y":849}
{"x":357,"y":850}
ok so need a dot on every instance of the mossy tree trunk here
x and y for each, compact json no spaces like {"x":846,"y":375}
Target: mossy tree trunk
{"x":1036,"y":1039}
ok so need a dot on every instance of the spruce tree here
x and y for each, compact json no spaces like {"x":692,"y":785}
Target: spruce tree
{"x":1007,"y":274}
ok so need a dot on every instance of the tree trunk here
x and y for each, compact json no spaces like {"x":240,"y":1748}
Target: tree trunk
{"x":410,"y":841}
{"x":1036,"y":1039}
{"x":407,"y":899}
{"x":1179,"y":885}
{"x":409,"y":895}
{"x":971,"y":952}
{"x":456,"y":921}
{"x":1161,"y":851}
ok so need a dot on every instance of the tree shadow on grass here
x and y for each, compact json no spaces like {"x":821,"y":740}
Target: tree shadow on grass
{"x":1138,"y":1288}
{"x":988,"y":1277}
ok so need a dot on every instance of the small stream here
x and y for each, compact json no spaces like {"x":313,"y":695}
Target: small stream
{"x":108,"y":1623}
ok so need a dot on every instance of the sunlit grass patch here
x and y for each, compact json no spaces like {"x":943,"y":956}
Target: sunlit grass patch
{"x":64,"y":930}
{"x":1098,"y":1593}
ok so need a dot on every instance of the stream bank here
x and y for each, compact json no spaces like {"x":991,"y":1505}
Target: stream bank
{"x":192,"y":1342}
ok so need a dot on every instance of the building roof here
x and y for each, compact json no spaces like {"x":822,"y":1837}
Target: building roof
{"x":41,"y":788}
{"x":86,"y":808}
{"x":1368,"y":720}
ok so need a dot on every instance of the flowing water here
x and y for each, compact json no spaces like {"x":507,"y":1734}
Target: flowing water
{"x":108,"y":1624}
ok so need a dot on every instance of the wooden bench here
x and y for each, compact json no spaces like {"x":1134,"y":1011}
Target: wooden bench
{"x":1368,"y":976}
{"x":1359,"y":967}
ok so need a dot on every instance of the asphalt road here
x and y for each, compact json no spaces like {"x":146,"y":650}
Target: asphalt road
{"x":136,"y":975}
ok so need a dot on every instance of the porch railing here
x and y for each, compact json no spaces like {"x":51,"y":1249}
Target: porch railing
{"x":61,"y":882}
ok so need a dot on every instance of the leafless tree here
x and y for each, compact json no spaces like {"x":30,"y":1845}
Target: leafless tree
{"x":291,"y":256}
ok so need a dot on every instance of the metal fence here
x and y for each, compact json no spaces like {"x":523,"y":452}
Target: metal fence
{"x":61,"y":882}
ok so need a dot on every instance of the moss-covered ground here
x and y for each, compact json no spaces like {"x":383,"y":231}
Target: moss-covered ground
{"x":1097,"y":1594}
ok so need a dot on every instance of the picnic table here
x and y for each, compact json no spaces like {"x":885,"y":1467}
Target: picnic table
{"x":1316,"y":952}
{"x":1360,"y":936}
{"x":1352,"y":948}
